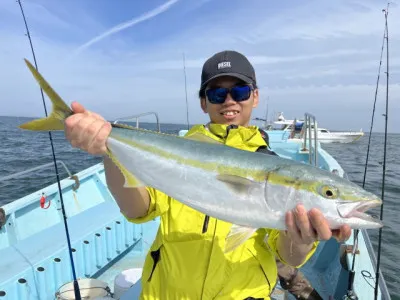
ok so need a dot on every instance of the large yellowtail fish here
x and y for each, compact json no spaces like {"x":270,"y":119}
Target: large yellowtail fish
{"x":250,"y":190}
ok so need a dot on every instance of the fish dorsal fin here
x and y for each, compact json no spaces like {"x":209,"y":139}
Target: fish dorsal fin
{"x":124,"y":126}
{"x":238,"y":183}
{"x":237,"y":236}
{"x":130,"y":180}
{"x":202,"y":138}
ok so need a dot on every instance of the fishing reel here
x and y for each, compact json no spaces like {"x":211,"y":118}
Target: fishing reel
{"x":351,"y":295}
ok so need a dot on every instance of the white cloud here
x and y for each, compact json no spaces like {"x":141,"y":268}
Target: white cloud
{"x":315,"y":20}
{"x":146,"y":16}
{"x":256,"y":60}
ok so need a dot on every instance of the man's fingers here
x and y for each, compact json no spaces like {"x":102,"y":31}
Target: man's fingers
{"x":342,"y":234}
{"x":70,"y":124}
{"x":77,"y":107}
{"x":320,"y":224}
{"x":82,"y":132}
{"x":87,"y":130}
{"x":98,"y":143}
{"x":97,"y":116}
{"x":307,"y":232}
{"x":292,"y":229}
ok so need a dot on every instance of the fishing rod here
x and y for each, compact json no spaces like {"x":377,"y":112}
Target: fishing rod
{"x":187,"y":105}
{"x":386,"y":12}
{"x":76,"y":285}
{"x":350,"y":288}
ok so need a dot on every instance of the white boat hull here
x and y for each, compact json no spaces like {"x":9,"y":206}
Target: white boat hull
{"x":338,"y":137}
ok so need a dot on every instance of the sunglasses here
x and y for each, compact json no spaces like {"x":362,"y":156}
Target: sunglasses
{"x":238,"y":93}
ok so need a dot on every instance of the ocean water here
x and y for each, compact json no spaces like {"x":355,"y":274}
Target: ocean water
{"x":21,"y":150}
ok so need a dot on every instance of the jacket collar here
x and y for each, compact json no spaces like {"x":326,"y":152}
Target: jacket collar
{"x":245,"y":138}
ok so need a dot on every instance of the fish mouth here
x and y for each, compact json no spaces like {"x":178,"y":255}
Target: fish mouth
{"x":363,"y":206}
{"x":358,"y":209}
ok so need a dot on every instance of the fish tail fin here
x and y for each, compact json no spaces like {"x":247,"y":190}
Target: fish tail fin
{"x":60,"y":110}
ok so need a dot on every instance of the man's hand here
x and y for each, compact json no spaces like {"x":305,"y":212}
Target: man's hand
{"x":306,"y":228}
{"x":303,"y":230}
{"x":87,"y":130}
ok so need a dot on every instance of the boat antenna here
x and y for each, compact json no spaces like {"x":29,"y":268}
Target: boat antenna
{"x":187,"y":105}
{"x":76,"y":285}
{"x":266,"y":113}
{"x":350,"y":289}
{"x":377,"y":273}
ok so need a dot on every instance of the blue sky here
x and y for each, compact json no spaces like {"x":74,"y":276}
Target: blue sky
{"x":120,"y":58}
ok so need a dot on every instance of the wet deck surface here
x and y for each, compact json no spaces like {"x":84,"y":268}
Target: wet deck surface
{"x":279,"y":294}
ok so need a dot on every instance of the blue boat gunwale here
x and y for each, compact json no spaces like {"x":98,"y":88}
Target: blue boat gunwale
{"x":51,"y":189}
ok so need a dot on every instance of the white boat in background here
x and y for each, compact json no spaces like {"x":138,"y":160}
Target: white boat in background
{"x":324,"y":135}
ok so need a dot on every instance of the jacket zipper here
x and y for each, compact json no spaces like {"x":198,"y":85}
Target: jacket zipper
{"x":209,"y":257}
{"x":205,"y":224}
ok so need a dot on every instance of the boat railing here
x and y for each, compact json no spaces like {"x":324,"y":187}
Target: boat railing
{"x":385,"y":295}
{"x":74,"y":177}
{"x":310,"y":120}
{"x":19,"y":174}
{"x":136,"y":117}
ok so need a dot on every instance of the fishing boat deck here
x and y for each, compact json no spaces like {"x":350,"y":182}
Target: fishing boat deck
{"x":47,"y":243}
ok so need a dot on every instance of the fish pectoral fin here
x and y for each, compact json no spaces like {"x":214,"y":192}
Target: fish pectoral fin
{"x":237,"y":236}
{"x":202,"y":138}
{"x":238,"y":183}
{"x":130,"y":180}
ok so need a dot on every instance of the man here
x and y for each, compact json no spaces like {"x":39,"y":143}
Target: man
{"x":186,"y":260}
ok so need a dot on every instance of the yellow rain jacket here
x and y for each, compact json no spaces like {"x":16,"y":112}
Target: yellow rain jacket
{"x":186,"y":260}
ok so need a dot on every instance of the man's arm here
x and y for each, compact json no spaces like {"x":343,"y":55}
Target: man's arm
{"x":133,"y":202}
{"x":88,"y":131}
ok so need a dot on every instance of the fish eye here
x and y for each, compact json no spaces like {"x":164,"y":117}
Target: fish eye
{"x":329,"y":192}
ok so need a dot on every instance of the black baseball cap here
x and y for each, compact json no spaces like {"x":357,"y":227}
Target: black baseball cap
{"x":227,"y":63}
